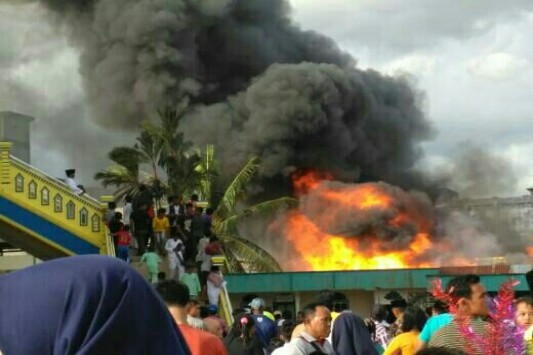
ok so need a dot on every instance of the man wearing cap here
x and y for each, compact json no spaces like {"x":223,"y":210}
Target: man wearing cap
{"x":398,"y":309}
{"x":78,"y":189}
{"x":265,"y":328}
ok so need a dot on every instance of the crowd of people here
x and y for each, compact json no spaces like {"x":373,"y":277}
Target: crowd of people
{"x":100,"y":305}
{"x":180,"y":233}
{"x":395,"y":329}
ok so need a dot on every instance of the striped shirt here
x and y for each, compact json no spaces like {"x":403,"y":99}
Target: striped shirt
{"x":382,"y":336}
{"x":450,"y":336}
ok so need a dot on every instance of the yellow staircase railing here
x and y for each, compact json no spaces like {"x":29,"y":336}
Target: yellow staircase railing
{"x":225,"y":309}
{"x":46,"y":209}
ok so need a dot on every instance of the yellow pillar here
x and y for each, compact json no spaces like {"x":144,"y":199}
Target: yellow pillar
{"x":5,"y":165}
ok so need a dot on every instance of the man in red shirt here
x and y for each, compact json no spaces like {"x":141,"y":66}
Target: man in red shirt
{"x":176,"y":296}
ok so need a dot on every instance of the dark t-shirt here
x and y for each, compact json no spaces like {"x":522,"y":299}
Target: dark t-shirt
{"x":197,"y":226}
{"x":265,"y":329}
{"x":114,"y":226}
{"x":141,"y":221}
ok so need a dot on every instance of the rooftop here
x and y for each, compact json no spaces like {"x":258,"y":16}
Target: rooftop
{"x":369,"y":280}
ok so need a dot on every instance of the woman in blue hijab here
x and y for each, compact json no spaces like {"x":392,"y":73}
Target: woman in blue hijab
{"x":84,"y":305}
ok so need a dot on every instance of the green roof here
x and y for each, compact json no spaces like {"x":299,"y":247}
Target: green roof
{"x":368,"y":280}
{"x":336,"y":280}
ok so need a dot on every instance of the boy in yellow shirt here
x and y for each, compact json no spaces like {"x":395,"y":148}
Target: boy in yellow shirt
{"x":160,"y":226}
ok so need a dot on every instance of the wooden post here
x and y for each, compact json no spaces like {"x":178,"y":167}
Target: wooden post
{"x":5,"y":164}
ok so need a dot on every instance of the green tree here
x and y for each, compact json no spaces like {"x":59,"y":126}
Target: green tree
{"x":242,"y":254}
{"x":161,"y":147}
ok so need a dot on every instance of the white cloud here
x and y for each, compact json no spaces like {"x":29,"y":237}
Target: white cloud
{"x":416,"y":63}
{"x":498,"y":66}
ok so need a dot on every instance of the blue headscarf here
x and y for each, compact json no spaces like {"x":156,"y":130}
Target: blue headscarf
{"x":350,"y":336}
{"x":84,"y":305}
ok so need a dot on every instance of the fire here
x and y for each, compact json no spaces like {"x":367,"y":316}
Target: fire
{"x":312,"y":232}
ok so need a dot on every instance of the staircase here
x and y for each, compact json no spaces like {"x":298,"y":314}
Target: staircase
{"x":42,"y":216}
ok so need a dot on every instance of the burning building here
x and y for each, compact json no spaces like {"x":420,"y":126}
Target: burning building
{"x":256,"y":83}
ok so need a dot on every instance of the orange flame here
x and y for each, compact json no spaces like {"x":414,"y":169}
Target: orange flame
{"x":324,"y":251}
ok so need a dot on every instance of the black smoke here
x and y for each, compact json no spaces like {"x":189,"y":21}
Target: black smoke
{"x":256,"y":83}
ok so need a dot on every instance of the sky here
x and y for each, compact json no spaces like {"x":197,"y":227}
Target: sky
{"x":470,"y":59}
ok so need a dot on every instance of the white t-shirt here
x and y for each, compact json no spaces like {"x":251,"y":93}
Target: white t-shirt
{"x":170,"y":245}
{"x":126,"y":214}
{"x":302,"y":346}
{"x":73,"y":186}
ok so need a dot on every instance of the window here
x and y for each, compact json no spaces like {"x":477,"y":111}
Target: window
{"x":19,"y":183}
{"x":32,"y":190}
{"x":95,"y":222}
{"x":45,"y":196}
{"x":84,"y":217}
{"x":71,"y":210}
{"x":58,"y":203}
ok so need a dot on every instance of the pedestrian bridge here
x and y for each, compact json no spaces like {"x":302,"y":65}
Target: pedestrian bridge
{"x":42,"y":216}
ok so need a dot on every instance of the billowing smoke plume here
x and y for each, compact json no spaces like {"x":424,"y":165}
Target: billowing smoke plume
{"x":257,"y":83}
{"x":477,"y":172}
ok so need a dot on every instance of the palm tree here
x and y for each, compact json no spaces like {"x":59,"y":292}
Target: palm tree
{"x":242,"y":254}
{"x":125,"y":173}
{"x":174,"y":154}
{"x":161,"y":147}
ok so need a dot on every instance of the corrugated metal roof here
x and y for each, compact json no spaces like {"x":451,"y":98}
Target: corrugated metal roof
{"x":353,"y":280}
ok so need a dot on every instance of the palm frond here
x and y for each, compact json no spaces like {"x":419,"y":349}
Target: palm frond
{"x":226,"y":207}
{"x":245,"y":256}
{"x":229,"y":225}
{"x":116,"y":175}
{"x":127,"y":157}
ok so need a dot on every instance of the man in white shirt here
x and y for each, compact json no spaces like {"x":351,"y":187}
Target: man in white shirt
{"x":175,"y":249}
{"x":317,"y":324}
{"x":74,"y":186}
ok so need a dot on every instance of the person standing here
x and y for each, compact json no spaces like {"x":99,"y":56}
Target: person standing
{"x":176,"y":263}
{"x":215,"y":283}
{"x":110,"y":213}
{"x":123,"y":242}
{"x":350,"y":335}
{"x":440,"y":318}
{"x":265,"y":328}
{"x":470,"y":298}
{"x":378,"y":316}
{"x":152,"y":261}
{"x":141,"y":227}
{"x":160,"y":227}
{"x":317,"y":327}
{"x":127,"y":210}
{"x":176,"y":296}
{"x":190,"y":278}
{"x":114,"y":226}
{"x":413,"y":322}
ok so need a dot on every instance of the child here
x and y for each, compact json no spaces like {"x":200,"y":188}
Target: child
{"x":123,"y":242}
{"x":152,"y":260}
{"x":160,"y":226}
{"x":524,"y":312}
{"x":190,"y":278}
